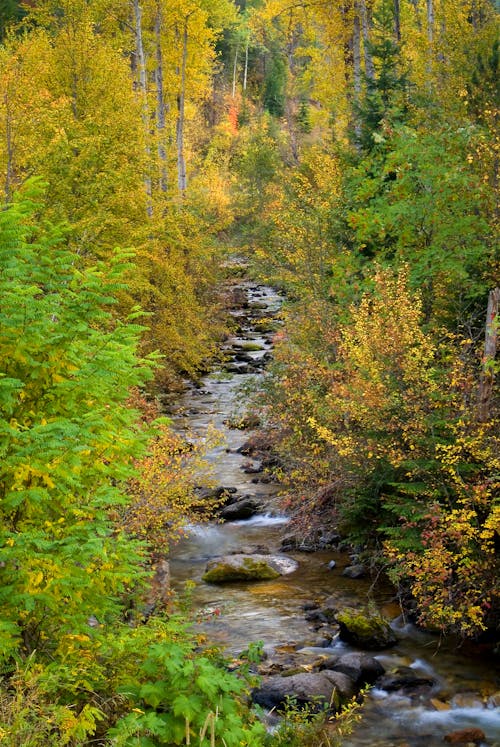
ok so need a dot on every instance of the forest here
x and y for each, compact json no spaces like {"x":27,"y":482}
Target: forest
{"x":349,"y":152}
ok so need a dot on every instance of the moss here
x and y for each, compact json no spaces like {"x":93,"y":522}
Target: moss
{"x":365,"y":629}
{"x":249,"y":570}
{"x":251,"y":347}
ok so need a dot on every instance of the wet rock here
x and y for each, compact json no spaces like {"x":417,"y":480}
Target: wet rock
{"x":308,"y":606}
{"x":466,"y":700}
{"x":254,"y":550}
{"x":237,"y":298}
{"x":316,"y":616}
{"x":251,"y":469}
{"x":241,"y":509}
{"x":242,"y":423}
{"x":355,"y":571}
{"x":361,"y":668}
{"x":406,"y":679}
{"x":331,"y":565}
{"x":494,"y":700}
{"x":313,"y":689}
{"x":365,"y":630}
{"x":236,"y":368}
{"x":329,"y":608}
{"x":439,"y":705}
{"x":465,"y":736}
{"x":241,"y":567}
{"x":220,"y":493}
{"x":252,"y":347}
{"x":328,"y":539}
{"x":297,"y":543}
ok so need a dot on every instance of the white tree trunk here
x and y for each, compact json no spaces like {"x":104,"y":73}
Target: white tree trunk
{"x":235,"y":70}
{"x":490,"y":350}
{"x":181,"y":99}
{"x":365,"y":25}
{"x":245,"y":74}
{"x":143,"y":88}
{"x":160,"y":102}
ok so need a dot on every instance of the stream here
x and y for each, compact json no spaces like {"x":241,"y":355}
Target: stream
{"x":466,"y":690}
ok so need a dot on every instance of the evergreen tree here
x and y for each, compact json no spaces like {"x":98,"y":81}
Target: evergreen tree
{"x":10,"y":12}
{"x":384,"y":91}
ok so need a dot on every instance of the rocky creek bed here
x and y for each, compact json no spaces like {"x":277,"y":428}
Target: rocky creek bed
{"x":327,"y":630}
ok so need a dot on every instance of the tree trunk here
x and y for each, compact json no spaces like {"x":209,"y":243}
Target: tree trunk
{"x":430,"y":21}
{"x":397,"y":21}
{"x":362,"y":10}
{"x":10,"y":149}
{"x":143,"y":87}
{"x":356,"y":62}
{"x":245,"y":74}
{"x":160,"y":103}
{"x":490,"y":349}
{"x":181,"y":163}
{"x":235,"y":69}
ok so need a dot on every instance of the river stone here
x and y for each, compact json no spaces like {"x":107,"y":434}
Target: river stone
{"x":465,"y":736}
{"x":365,"y":630}
{"x":242,"y":509}
{"x":354,"y":571}
{"x":312,"y":689}
{"x":360,"y":667}
{"x":404,"y":678}
{"x":241,"y":567}
{"x":330,"y":608}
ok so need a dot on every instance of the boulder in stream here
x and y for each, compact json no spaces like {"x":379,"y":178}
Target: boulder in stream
{"x":357,"y":570}
{"x":243,"y":508}
{"x":312,"y":689}
{"x":241,"y":567}
{"x":360,"y":667}
{"x":406,"y":680}
{"x":365,"y":630}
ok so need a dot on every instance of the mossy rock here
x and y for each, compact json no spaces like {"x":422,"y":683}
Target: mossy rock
{"x":241,"y":567}
{"x":252,"y":347}
{"x":365,"y":630}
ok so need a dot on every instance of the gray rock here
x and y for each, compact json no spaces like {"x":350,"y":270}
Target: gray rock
{"x":241,"y":509}
{"x":360,"y":667}
{"x":365,"y":630}
{"x":354,"y":571}
{"x":329,"y":608}
{"x":404,"y":678}
{"x":241,"y":567}
{"x":313,"y":689}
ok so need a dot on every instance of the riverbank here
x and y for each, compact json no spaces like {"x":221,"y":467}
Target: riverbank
{"x":430,"y":689}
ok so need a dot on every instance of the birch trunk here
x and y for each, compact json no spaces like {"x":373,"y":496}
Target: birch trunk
{"x":160,"y":103}
{"x":490,"y":349}
{"x":143,"y":88}
{"x":235,"y":70}
{"x":430,"y":39}
{"x":245,"y":73}
{"x":365,"y":25}
{"x":356,"y":61}
{"x":181,"y":163}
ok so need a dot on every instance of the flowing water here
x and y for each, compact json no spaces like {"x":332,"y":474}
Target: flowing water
{"x":271,"y":611}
